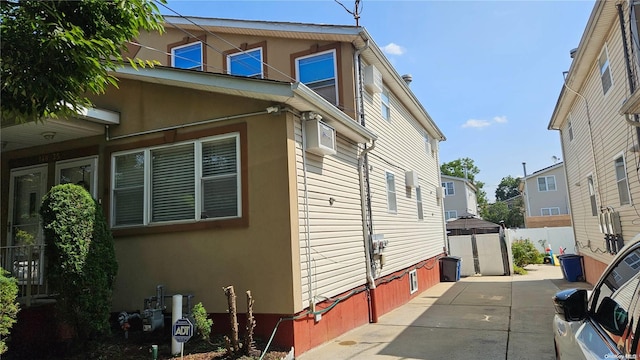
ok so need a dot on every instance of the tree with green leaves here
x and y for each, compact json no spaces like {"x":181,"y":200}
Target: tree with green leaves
{"x":466,"y":169}
{"x":512,"y":215}
{"x":55,"y":53}
{"x":508,"y":188}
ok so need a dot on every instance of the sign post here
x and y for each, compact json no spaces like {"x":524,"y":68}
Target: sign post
{"x":182,"y":331}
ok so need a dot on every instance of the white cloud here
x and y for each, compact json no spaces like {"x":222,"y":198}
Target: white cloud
{"x":500,"y":119}
{"x":393,"y":49}
{"x":474,"y":123}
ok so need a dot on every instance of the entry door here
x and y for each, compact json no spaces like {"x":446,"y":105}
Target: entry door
{"x":24,"y":254}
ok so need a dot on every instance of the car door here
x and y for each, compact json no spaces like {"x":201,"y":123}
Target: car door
{"x":612,"y":325}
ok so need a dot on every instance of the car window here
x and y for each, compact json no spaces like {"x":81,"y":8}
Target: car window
{"x":613,"y":306}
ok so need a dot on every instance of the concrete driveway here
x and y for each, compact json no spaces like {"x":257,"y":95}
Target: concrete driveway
{"x":484,"y":317}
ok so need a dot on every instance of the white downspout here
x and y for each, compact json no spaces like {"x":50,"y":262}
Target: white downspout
{"x":307,"y":230}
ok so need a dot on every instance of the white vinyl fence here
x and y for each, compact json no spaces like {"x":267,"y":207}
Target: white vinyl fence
{"x":557,"y":237}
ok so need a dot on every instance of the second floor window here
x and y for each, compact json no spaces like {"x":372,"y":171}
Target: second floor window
{"x":392,"y":204}
{"x":449,"y":190}
{"x":246,"y":63}
{"x":385,"y":105}
{"x":419,"y":203}
{"x":318,"y":72}
{"x":547,"y":183}
{"x":592,"y":195}
{"x":621,"y":179}
{"x":187,"y":56}
{"x":605,"y":70}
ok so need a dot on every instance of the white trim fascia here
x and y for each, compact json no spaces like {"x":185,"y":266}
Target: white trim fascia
{"x":101,"y":116}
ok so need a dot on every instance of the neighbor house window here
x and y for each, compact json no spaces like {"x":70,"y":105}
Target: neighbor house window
{"x":550,"y":211}
{"x":246,"y":63}
{"x":385,"y":105}
{"x":419,"y":203}
{"x":427,"y":143}
{"x":547,"y":183}
{"x":189,"y":181}
{"x":188,"y":56}
{"x":450,"y":214}
{"x":318,"y":72}
{"x":570,"y":129}
{"x":449,"y":190}
{"x":605,"y":70}
{"x":621,"y":178}
{"x":392,"y":204}
{"x":592,"y":195}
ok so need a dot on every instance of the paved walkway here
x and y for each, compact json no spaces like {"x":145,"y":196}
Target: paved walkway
{"x":484,"y":317}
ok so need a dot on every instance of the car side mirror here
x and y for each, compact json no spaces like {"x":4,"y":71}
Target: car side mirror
{"x":612,"y":316}
{"x":571,"y":304}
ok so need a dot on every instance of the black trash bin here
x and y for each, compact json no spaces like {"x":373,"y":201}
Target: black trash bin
{"x":450,"y":268}
{"x":571,"y":265}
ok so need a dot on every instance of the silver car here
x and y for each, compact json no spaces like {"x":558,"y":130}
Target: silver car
{"x":605,"y":323}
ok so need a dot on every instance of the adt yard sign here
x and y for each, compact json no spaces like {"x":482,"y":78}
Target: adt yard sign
{"x":182,"y":330}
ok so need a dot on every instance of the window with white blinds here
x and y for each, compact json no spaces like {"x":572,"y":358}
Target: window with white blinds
{"x":190,"y":181}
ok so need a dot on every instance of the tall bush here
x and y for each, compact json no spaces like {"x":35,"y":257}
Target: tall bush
{"x":81,"y":265}
{"x":8,"y":307}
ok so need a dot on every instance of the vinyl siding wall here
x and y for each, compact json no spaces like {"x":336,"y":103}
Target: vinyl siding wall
{"x":547,"y":199}
{"x":593,"y":150}
{"x":400,"y":148}
{"x":334,"y":254}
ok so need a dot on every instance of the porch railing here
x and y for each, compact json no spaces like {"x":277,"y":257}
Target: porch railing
{"x":25,"y":263}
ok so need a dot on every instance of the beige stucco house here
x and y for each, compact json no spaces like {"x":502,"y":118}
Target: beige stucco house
{"x":546,"y":201}
{"x":459,"y":197}
{"x":287,"y":159}
{"x":596,"y":115}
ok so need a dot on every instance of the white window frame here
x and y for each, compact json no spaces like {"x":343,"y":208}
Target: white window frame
{"x":591,"y":188}
{"x":604,"y":68}
{"x":335,"y":69}
{"x":247,"y":52}
{"x":546,"y":183}
{"x":619,"y":180}
{"x":413,"y":281}
{"x":198,"y":181}
{"x":91,"y":161}
{"x":385,"y":106}
{"x":201,"y":63}
{"x":427,"y":143}
{"x":550,"y":211}
{"x":419,"y":203}
{"x":391,"y":193}
{"x":450,"y":214}
{"x":445,"y":186}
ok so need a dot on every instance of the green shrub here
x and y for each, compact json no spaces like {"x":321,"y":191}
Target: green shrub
{"x":203,"y":323}
{"x":81,"y":264}
{"x":525,"y":253}
{"x":8,"y":306}
{"x":518,"y":270}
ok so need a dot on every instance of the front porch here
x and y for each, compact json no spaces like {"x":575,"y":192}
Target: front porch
{"x":25,"y":263}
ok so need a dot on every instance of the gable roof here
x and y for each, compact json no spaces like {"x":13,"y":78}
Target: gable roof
{"x":356,"y":35}
{"x":544,"y":170}
{"x":466,"y":181}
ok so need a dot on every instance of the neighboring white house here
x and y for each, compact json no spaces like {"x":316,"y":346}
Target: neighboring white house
{"x":546,"y":200}
{"x":459,"y":197}
{"x":597,"y":116}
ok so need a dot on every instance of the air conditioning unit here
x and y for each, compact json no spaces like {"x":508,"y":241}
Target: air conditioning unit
{"x":372,"y":79}
{"x":411,"y":179}
{"x":439,"y":192}
{"x":434,"y":145}
{"x":320,"y":138}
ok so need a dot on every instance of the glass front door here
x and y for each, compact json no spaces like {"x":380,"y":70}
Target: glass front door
{"x":24,"y":255}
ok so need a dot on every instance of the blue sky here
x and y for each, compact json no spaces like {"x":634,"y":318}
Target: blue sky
{"x":488,"y":72}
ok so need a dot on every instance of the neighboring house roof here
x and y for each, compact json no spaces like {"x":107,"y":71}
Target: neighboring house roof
{"x":296,"y":94}
{"x":356,"y":35}
{"x":539,"y":172}
{"x":467,"y":181}
{"x":588,"y":51}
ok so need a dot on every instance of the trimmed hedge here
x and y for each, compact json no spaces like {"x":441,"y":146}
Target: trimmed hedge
{"x":8,"y":306}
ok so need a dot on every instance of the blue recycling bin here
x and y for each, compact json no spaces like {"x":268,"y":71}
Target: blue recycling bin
{"x":571,"y":266}
{"x":450,"y":268}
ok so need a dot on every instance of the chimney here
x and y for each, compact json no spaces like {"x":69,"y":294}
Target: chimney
{"x":524,"y":167}
{"x":407,"y":79}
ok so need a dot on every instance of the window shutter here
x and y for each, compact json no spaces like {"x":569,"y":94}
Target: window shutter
{"x":173,"y":186}
{"x":220,"y":186}
{"x":128,"y":190}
